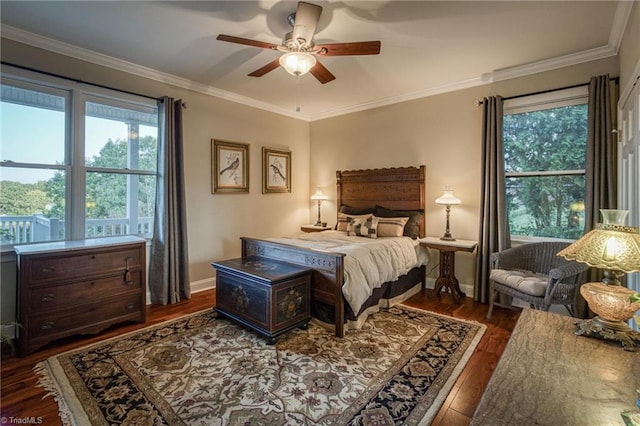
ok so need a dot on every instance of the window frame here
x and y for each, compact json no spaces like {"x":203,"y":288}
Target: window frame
{"x":76,"y":96}
{"x":573,"y":96}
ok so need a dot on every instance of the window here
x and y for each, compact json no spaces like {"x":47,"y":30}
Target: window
{"x":75,"y":163}
{"x":545,"y":140}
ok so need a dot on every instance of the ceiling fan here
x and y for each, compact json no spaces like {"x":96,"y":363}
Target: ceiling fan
{"x":299,"y":48}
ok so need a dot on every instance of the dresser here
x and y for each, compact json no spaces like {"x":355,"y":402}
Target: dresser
{"x":78,"y":287}
{"x":549,"y":376}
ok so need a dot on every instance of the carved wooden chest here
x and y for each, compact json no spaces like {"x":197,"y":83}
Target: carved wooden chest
{"x":269,"y":296}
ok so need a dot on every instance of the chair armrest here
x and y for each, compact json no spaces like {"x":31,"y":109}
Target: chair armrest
{"x":569,"y":269}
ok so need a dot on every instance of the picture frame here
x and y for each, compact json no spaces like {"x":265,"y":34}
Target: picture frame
{"x":276,"y":171}
{"x":230,"y":167}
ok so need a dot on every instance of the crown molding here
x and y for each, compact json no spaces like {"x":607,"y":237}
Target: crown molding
{"x":620,"y":21}
{"x":491,"y":77}
{"x":87,"y":55}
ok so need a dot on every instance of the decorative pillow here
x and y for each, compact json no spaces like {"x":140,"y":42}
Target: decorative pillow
{"x":343,"y":217}
{"x":357,"y":210}
{"x":363,"y":227}
{"x":391,"y":226}
{"x":412,"y":228}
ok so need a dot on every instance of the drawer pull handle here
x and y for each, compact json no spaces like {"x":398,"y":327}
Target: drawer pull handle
{"x":47,"y":325}
{"x":48,"y":269}
{"x":47,"y":298}
{"x":130,"y":282}
{"x":127,"y":274}
{"x":93,"y":257}
{"x":130,"y":306}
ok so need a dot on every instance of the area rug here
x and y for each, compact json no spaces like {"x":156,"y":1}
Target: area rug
{"x":199,"y":370}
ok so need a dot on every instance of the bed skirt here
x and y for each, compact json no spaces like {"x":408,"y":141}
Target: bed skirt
{"x":389,"y":294}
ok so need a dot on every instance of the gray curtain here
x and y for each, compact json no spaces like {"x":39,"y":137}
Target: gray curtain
{"x":169,"y":261}
{"x":494,"y":224}
{"x":601,"y":167}
{"x":602,"y":158}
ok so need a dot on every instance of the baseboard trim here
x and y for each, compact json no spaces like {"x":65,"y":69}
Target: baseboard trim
{"x":202,"y":285}
{"x":196,"y":287}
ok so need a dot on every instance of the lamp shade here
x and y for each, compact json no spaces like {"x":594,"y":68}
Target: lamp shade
{"x":319,"y":196}
{"x":610,"y":245}
{"x":297,"y":63}
{"x":448,"y":198}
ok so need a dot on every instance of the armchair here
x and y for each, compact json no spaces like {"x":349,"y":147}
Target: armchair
{"x":534,"y":273}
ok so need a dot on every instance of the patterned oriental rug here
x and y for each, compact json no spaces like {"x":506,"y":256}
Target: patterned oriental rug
{"x":198,"y":370}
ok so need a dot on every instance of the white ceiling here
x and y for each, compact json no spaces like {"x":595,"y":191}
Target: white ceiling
{"x":428,"y":47}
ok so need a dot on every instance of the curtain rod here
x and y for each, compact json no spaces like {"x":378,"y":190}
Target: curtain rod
{"x":479,"y":102}
{"x":76,"y":80}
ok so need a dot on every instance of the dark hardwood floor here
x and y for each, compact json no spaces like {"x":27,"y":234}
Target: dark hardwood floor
{"x":21,"y":398}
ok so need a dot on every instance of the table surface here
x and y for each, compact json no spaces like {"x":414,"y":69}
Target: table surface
{"x":461,"y":244}
{"x":67,"y":245}
{"x":549,"y":376}
{"x":262,"y":268}
{"x":315,"y":228}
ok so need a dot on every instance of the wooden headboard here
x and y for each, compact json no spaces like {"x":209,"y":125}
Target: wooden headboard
{"x":400,"y":188}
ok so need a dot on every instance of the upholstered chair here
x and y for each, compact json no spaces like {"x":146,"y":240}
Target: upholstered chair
{"x":535,"y":274}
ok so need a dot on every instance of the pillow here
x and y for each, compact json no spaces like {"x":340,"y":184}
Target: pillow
{"x":343,"y":218}
{"x":412,"y":228}
{"x":362,"y":227}
{"x":391,"y":226}
{"x":357,"y":210}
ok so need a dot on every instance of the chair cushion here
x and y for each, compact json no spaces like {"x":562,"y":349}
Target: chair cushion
{"x":525,"y":281}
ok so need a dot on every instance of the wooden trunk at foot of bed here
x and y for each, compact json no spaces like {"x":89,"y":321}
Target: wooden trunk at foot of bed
{"x":327,"y":277}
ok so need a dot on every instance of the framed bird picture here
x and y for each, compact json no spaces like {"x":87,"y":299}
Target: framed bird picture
{"x":230,"y":168}
{"x":276,"y":171}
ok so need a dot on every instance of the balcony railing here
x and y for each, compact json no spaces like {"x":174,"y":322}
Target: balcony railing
{"x":37,"y":228}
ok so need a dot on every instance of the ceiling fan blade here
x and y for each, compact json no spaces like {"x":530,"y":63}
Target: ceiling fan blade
{"x":247,"y":42}
{"x":265,"y":69}
{"x":321,"y":73}
{"x":306,"y":21}
{"x":346,"y":49}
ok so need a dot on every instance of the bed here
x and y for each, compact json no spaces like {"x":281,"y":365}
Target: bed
{"x":391,"y":192}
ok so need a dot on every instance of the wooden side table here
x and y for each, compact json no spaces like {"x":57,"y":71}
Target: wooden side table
{"x":448,"y":249}
{"x":314,"y":228}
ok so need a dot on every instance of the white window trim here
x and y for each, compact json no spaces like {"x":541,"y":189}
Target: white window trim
{"x":549,"y":100}
{"x":76,"y":94}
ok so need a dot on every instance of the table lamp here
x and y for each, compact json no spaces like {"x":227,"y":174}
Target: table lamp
{"x":614,"y":247}
{"x":320,"y":197}
{"x":448,"y":199}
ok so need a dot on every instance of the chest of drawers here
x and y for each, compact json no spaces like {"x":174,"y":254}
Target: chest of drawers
{"x":78,"y":287}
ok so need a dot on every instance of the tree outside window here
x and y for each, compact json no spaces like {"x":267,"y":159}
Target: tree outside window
{"x":46,"y":193}
{"x":545,"y":157}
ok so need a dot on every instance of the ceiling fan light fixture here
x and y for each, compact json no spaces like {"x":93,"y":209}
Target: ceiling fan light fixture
{"x":297,"y":63}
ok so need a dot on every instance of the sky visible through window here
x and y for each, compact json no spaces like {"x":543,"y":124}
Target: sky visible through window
{"x":36,"y":135}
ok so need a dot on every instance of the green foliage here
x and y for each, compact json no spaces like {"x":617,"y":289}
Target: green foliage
{"x":106,"y":193}
{"x":552,"y":140}
{"x":18,"y":199}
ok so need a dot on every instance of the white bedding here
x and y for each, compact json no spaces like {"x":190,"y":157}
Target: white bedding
{"x":368,"y":262}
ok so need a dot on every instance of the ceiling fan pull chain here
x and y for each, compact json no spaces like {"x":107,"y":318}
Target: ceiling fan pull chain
{"x":297,"y":93}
